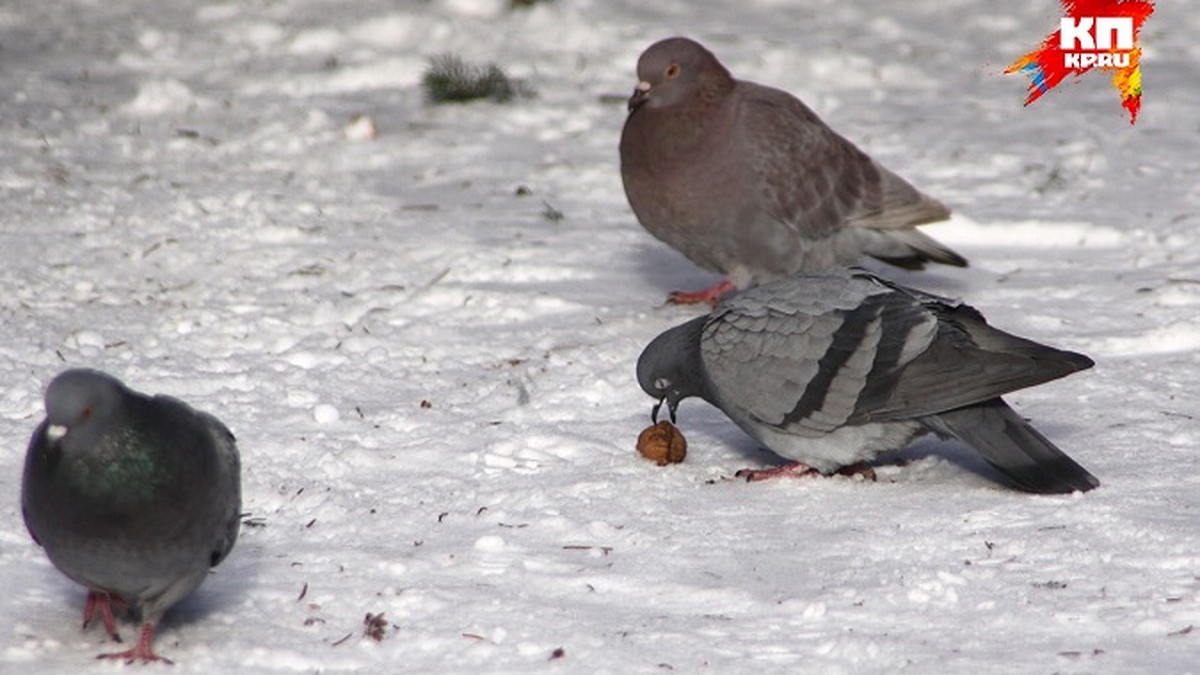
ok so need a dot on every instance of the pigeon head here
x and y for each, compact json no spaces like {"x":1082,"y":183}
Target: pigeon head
{"x":670,"y":369}
{"x":674,"y":70}
{"x":79,"y":398}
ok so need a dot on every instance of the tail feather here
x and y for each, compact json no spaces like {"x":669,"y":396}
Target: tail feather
{"x":886,"y":225}
{"x":1013,"y":446}
{"x":907,"y":248}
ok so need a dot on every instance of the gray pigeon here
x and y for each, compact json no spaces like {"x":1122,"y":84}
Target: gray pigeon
{"x":133,"y":496}
{"x":747,"y":181}
{"x":831,"y":370}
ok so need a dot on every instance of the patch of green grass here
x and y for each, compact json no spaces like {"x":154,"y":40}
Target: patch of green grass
{"x":449,"y":79}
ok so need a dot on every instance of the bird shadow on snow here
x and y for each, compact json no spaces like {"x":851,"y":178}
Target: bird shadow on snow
{"x":669,"y":270}
{"x":917,"y":463}
{"x":232,"y":579}
{"x":222,"y":591}
{"x":70,"y":599}
{"x":951,"y":452}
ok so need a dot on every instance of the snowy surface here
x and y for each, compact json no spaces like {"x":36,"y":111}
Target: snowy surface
{"x":432,"y":381}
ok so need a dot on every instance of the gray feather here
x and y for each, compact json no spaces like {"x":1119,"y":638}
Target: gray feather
{"x":1013,"y":446}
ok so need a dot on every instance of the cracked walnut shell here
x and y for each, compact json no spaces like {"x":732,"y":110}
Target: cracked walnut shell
{"x":662,"y":443}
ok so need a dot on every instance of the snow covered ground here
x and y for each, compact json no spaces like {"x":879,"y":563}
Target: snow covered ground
{"x":432,"y":380}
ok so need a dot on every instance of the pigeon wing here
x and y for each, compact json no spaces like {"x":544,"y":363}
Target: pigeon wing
{"x":969,"y":362}
{"x":815,"y":182}
{"x":814,"y":178}
{"x":810,"y":359}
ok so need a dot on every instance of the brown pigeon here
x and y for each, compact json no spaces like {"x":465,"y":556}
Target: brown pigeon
{"x":745,"y":180}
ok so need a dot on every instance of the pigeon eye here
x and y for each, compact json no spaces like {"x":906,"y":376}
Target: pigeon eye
{"x":86,"y":412}
{"x":662,"y":384}
{"x":672,"y":70}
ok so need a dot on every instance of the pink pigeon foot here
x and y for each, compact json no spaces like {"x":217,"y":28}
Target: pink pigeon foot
{"x":792,"y":470}
{"x":711,"y":295}
{"x":141,"y":651}
{"x":798,"y":470}
{"x":102,"y":601}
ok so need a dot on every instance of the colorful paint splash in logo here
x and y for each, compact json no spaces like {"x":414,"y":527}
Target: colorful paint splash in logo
{"x":1092,"y":34}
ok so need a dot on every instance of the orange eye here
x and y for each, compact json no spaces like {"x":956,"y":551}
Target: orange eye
{"x":672,"y":70}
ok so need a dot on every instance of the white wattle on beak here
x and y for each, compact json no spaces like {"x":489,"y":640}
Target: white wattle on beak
{"x":640,"y":92}
{"x":55,"y":431}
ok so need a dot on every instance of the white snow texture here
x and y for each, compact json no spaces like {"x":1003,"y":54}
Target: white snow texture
{"x":432,"y":381}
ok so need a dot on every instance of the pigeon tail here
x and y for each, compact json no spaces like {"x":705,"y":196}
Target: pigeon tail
{"x":1013,"y":446}
{"x":909,"y":249}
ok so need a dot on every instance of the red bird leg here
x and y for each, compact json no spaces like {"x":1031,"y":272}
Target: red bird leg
{"x":711,"y":295}
{"x":141,"y":651}
{"x":792,"y":470}
{"x":100,"y":600}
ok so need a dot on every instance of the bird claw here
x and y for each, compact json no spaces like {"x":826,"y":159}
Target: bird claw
{"x":141,"y":651}
{"x":135,"y":654}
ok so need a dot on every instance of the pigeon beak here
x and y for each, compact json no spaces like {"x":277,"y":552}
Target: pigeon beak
{"x":671,"y":406}
{"x":55,"y":431}
{"x":640,"y":93}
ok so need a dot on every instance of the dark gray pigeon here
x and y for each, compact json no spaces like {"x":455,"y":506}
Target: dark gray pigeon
{"x":746,"y":181}
{"x":133,"y":496}
{"x":831,"y":370}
